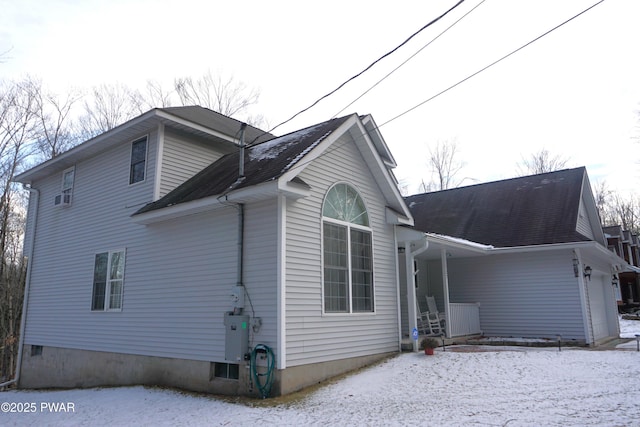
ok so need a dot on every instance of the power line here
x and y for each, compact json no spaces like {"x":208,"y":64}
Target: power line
{"x":339,"y":145}
{"x":363,"y":71}
{"x":409,"y":59}
{"x":491,"y":64}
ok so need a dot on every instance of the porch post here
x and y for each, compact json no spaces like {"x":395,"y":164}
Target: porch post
{"x":411,"y":291}
{"x":445,"y":290}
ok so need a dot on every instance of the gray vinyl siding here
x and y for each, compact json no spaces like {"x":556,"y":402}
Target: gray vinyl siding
{"x":531,"y":294}
{"x":182,"y":158}
{"x":311,"y":336}
{"x":178,"y":274}
{"x":69,"y":237}
{"x":31,"y":214}
{"x":583,"y":225}
{"x":260,"y":271}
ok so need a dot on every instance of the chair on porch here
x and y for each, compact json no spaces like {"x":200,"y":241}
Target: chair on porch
{"x":433,"y":308}
{"x":422,"y":316}
{"x":435,"y":325}
{"x":428,"y":323}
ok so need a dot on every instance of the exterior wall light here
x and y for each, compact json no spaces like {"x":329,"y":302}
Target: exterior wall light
{"x":587,"y":272}
{"x":614,"y":281}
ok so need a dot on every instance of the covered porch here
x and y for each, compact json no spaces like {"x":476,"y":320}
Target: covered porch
{"x":425,"y":285}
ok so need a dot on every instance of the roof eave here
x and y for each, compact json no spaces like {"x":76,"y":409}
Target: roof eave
{"x":396,"y":218}
{"x":292,"y":190}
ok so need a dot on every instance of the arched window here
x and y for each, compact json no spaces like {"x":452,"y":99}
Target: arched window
{"x":348,"y":255}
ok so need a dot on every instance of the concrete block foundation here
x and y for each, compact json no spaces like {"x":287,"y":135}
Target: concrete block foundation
{"x":55,"y":367}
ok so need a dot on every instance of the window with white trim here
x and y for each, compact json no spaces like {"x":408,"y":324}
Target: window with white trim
{"x":347,"y":252}
{"x":108,"y":281}
{"x":138,"y":160}
{"x":66,"y":191}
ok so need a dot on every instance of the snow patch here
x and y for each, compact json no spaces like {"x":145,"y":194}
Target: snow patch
{"x":304,"y":152}
{"x":273,"y":148}
{"x":459,"y":240}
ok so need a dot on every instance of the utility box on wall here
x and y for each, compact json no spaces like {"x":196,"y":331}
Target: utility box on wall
{"x":236,"y":340}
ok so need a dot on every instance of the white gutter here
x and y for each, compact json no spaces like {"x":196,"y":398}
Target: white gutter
{"x":25,"y":300}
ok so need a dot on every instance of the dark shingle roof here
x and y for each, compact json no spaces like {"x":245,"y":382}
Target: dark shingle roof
{"x":530,"y":210}
{"x":264,"y":162}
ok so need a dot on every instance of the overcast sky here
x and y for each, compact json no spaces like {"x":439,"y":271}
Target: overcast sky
{"x":574,"y":92}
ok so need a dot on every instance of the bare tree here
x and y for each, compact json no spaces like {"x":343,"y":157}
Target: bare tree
{"x":224,"y":95}
{"x":616,"y":209}
{"x":4,"y":55}
{"x":107,"y":107}
{"x":56,"y":133}
{"x":110,"y":105}
{"x":18,"y":128}
{"x":445,"y":166}
{"x":154,"y":95}
{"x":602,"y":196}
{"x":626,"y":212}
{"x":541,"y":162}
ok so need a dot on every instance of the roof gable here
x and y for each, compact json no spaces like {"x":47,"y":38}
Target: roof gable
{"x":273,"y":166}
{"x":531,"y":210}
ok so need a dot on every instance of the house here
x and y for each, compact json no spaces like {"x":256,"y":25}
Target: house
{"x":625,"y":244}
{"x":158,"y":254}
{"x":523,"y":257}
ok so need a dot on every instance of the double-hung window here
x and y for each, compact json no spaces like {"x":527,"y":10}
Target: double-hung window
{"x":108,"y":281}
{"x":64,"y":198}
{"x":347,"y":252}
{"x":138,"y":160}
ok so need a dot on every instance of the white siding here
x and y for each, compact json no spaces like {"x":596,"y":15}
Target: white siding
{"x":597,"y":306}
{"x":312,"y":336}
{"x":182,"y":158}
{"x":178,"y":276}
{"x":602,"y":309}
{"x":531,"y":294}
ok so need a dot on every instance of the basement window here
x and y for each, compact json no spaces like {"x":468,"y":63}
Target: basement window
{"x":226,"y":370}
{"x":36,"y":350}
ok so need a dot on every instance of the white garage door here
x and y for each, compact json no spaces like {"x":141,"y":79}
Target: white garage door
{"x":598,"y":307}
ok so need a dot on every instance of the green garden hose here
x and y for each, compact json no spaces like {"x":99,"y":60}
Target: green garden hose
{"x":263,"y":380}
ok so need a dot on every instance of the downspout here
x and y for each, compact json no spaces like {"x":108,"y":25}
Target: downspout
{"x":25,"y":300}
{"x":241,"y":211}
{"x":240,"y":243}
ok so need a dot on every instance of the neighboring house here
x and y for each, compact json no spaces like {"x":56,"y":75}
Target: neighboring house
{"x":625,"y":244}
{"x":523,"y":257}
{"x":154,"y":260}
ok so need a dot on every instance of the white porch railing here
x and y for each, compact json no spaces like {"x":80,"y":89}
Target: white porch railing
{"x":464,"y":319}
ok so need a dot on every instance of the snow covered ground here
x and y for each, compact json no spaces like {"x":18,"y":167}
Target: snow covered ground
{"x":487,"y":386}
